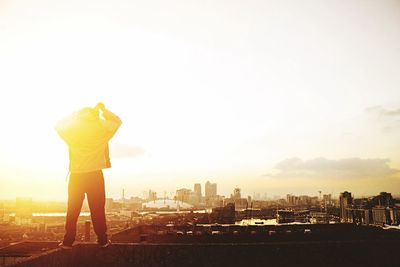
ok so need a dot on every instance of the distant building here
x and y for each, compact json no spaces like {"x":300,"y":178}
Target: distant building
{"x":378,"y":210}
{"x":345,"y":201}
{"x":317,"y":217}
{"x":134,"y":203}
{"x":110,"y":205}
{"x":303,"y":200}
{"x":152,"y":196}
{"x":210,"y":192}
{"x":236,"y":199}
{"x":224,"y":215}
{"x":381,"y":215}
{"x":291,"y":200}
{"x":384,"y":199}
{"x":197,"y":193}
{"x":361,"y":203}
{"x":183,"y":195}
{"x":236,"y":193}
{"x":395,"y":215}
{"x":285,"y":216}
{"x":386,"y":215}
{"x":327,"y":199}
{"x":166,"y":204}
{"x":359,"y":216}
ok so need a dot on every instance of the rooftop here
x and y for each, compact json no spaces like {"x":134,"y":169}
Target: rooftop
{"x":311,"y":253}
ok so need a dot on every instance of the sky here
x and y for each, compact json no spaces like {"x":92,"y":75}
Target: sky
{"x":275,"y":97}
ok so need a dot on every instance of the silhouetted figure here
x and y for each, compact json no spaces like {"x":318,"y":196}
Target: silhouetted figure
{"x":87,"y":133}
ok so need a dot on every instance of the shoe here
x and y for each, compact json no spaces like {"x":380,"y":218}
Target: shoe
{"x":64,"y":246}
{"x":105,"y":245}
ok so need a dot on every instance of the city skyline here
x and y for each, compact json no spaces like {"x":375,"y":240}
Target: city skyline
{"x":150,"y":194}
{"x":276,"y":97}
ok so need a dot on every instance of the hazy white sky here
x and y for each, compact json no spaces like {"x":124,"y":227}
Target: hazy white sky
{"x":273,"y":96}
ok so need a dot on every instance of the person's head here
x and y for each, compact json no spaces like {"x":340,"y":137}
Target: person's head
{"x":88,"y":113}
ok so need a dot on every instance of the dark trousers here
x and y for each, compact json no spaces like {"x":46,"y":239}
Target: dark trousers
{"x":91,"y":183}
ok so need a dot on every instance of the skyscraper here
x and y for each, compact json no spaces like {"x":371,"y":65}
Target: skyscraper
{"x":197,"y":192}
{"x":236,"y":193}
{"x":210,"y":193}
{"x":210,"y":190}
{"x":345,"y":201}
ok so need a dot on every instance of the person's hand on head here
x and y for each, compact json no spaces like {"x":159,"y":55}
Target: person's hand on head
{"x":100,"y":106}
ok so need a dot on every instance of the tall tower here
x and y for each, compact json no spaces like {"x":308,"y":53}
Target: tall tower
{"x":210,"y":192}
{"x":345,"y":201}
{"x":207,"y":189}
{"x":236,"y":193}
{"x":197,"y":192}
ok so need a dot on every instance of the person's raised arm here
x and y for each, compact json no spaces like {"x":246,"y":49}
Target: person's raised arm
{"x":64,"y":127}
{"x":111,"y":121}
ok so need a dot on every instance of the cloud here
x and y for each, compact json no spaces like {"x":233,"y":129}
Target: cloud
{"x":126,"y":151}
{"x":381,"y":111}
{"x":344,"y":168}
{"x":388,"y":118}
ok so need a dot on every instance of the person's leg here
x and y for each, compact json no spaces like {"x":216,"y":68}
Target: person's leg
{"x":96,"y":200}
{"x":76,"y":196}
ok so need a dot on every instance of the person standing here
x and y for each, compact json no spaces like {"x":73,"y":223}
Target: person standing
{"x":87,"y":133}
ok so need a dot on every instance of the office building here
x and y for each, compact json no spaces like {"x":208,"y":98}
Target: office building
{"x":345,"y":201}
{"x":197,"y":193}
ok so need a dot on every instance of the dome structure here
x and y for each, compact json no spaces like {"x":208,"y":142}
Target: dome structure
{"x":166,"y":204}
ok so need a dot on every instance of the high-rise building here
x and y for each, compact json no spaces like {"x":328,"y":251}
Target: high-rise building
{"x":152,"y":196}
{"x":292,"y":200}
{"x":381,"y":215}
{"x":210,"y":190}
{"x":210,"y":193}
{"x":345,"y":201}
{"x":197,"y":192}
{"x":236,"y":193}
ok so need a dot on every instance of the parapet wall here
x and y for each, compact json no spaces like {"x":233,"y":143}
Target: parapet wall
{"x":326,"y":253}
